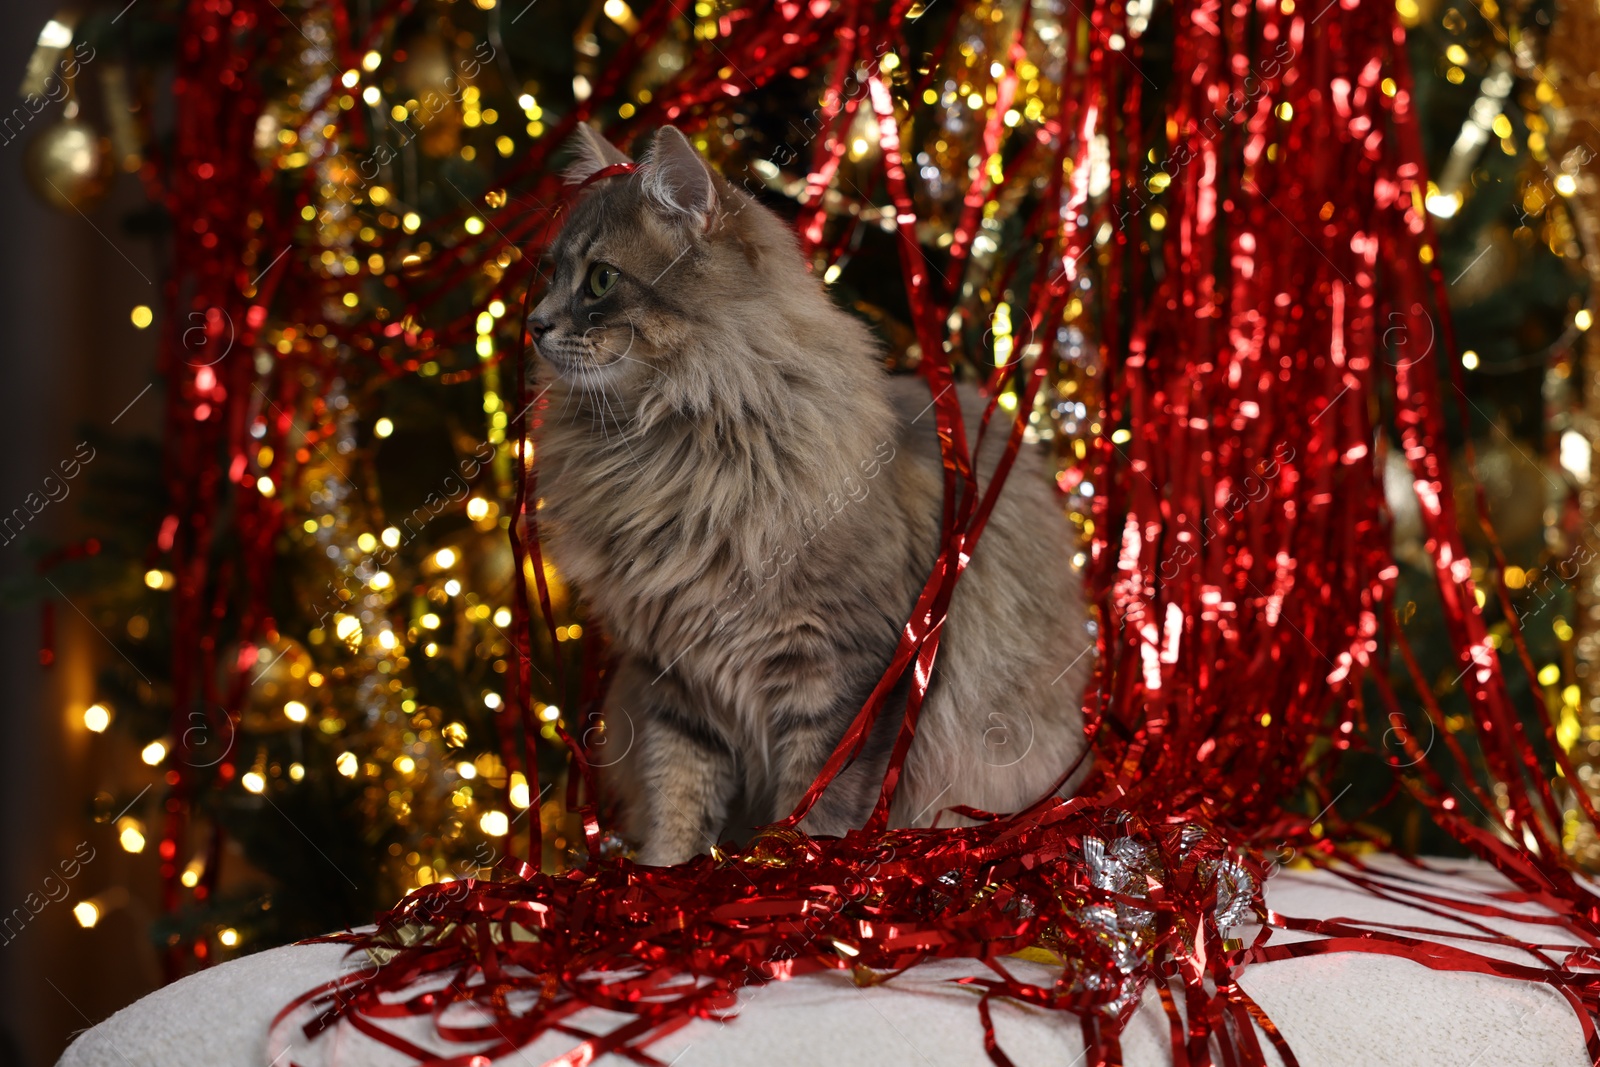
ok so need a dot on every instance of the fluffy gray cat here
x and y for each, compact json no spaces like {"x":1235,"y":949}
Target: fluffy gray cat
{"x":751,"y":504}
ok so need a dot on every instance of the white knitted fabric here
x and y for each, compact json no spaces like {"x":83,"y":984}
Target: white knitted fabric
{"x":1339,"y":1010}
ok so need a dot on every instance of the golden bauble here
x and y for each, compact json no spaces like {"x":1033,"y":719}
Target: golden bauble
{"x":431,"y":76}
{"x":1516,"y":487}
{"x":70,"y":165}
{"x":1494,"y":263}
{"x":280,"y":673}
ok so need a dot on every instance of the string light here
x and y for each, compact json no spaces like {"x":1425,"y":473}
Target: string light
{"x":97,"y":717}
{"x":130,"y":834}
{"x":1443,"y":205}
{"x":191,"y":873}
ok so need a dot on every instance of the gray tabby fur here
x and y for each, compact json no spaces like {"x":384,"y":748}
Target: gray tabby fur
{"x":751,"y":504}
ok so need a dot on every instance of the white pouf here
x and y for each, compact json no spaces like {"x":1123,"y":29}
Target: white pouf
{"x":1339,"y":1010}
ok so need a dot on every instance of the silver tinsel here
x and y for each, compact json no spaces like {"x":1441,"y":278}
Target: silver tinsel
{"x":1129,"y":868}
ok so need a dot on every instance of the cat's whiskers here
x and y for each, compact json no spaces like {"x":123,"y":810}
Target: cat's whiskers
{"x":578,"y":374}
{"x":627,"y":416}
{"x":622,"y":431}
{"x":596,"y":406}
{"x":600,"y":400}
{"x":566,"y":399}
{"x":588,"y":390}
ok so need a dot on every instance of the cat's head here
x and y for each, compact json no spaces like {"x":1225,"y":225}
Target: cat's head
{"x":667,"y":270}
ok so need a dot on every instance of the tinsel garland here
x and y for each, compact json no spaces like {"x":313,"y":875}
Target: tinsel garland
{"x":1240,"y":560}
{"x":1104,"y":895}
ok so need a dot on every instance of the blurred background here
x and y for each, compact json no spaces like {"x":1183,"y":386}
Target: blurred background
{"x":258,"y":421}
{"x":75,"y":360}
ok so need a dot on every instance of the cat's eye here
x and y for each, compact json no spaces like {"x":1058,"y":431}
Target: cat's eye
{"x":602,"y":277}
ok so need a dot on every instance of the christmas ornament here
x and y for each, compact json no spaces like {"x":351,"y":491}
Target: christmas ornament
{"x":1515,"y":484}
{"x":436,"y":88}
{"x":69,"y":164}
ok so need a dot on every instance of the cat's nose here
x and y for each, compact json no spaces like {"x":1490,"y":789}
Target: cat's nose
{"x":538,"y":326}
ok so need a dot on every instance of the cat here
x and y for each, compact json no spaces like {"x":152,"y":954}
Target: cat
{"x":750,"y":503}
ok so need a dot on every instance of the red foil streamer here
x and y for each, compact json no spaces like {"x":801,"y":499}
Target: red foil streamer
{"x":1241,"y":560}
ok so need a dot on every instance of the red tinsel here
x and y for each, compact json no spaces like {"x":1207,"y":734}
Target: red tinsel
{"x":1241,"y":559}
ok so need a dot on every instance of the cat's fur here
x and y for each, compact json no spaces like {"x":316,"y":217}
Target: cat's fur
{"x":751,"y":506}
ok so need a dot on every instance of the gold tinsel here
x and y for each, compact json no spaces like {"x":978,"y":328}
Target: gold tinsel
{"x":1573,"y":48}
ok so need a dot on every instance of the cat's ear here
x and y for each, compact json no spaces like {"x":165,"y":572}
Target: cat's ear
{"x":590,"y":153}
{"x":678,"y":180}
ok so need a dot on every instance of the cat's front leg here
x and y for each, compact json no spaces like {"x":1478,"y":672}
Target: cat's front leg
{"x":688,"y":778}
{"x":848,"y":800}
